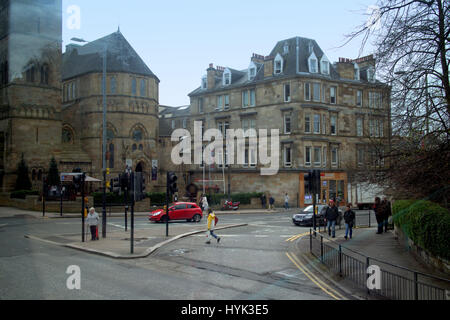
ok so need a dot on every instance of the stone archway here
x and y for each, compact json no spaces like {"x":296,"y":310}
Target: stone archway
{"x":140,"y":167}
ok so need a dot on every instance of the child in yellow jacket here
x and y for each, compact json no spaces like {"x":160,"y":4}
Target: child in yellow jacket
{"x":211,"y":225}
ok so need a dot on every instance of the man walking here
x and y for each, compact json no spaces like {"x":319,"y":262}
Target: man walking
{"x":263,"y":200}
{"x":271,"y":202}
{"x":331,"y":216}
{"x":212,"y":220}
{"x":349,"y":218}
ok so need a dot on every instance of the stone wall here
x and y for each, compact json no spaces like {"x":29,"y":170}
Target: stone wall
{"x":423,"y":255}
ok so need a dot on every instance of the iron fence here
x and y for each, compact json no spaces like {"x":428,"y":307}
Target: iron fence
{"x":396,"y":283}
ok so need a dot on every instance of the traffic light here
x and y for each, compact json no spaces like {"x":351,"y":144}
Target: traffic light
{"x":125,"y":181}
{"x":309,"y":182}
{"x":109,"y":185}
{"x":115,"y":185}
{"x":316,"y":182}
{"x":172,"y":183}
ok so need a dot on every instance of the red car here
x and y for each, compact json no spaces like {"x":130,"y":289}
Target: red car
{"x":188,"y":211}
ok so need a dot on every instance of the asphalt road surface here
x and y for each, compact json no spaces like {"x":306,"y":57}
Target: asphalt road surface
{"x":250,"y":263}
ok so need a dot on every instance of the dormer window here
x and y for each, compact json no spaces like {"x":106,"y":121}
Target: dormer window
{"x":357,"y":74}
{"x":278,"y":64}
{"x":312,"y":63}
{"x":226,"y":77}
{"x":204,"y":83}
{"x":325,"y":65}
{"x":286,"y":48}
{"x":251,"y":71}
{"x":371,"y":74}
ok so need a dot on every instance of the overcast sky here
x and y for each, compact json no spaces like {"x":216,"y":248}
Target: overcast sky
{"x":178,"y":39}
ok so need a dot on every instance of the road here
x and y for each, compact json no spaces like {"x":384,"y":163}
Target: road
{"x":254,"y":262}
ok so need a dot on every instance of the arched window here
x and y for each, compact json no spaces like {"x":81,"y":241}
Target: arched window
{"x":137,"y":135}
{"x":141,"y":147}
{"x":30,"y":73}
{"x":113,"y":85}
{"x":44,"y":74}
{"x":111,"y":155}
{"x":133,"y":86}
{"x":143,"y":88}
{"x":67,"y":136}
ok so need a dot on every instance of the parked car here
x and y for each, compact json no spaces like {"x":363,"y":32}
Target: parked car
{"x":305,"y":217}
{"x":188,"y":211}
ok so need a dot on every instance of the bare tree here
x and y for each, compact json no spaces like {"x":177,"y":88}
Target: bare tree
{"x":412,"y":52}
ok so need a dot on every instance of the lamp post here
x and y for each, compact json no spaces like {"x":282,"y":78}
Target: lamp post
{"x":103,"y":135}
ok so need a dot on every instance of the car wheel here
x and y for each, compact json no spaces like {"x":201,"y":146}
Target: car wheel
{"x":197,"y":218}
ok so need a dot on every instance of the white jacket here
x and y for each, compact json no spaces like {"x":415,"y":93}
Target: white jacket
{"x":92,"y":219}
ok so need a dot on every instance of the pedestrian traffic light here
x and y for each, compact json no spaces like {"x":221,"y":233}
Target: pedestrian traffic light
{"x":172,"y":183}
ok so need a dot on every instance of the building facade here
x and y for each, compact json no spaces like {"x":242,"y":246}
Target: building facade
{"x":329,"y":117}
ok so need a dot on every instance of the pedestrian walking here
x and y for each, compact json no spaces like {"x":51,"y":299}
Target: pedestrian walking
{"x":92,"y":221}
{"x":263,"y":200}
{"x":387,"y":212}
{"x":286,"y":201}
{"x":349,"y":219}
{"x":331,"y":216}
{"x":379,"y":214}
{"x":271,"y":203}
{"x":212,"y":221}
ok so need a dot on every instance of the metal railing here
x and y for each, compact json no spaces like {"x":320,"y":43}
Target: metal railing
{"x":396,"y":283}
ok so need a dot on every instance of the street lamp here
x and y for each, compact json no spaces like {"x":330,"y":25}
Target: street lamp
{"x":104,"y":135}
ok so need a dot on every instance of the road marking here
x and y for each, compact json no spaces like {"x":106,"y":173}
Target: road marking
{"x":322,"y":285}
{"x":293,"y":238}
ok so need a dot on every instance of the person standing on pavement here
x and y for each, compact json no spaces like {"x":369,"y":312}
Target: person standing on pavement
{"x":263,"y":200}
{"x":386,"y":205}
{"x":379,"y":214}
{"x":286,"y":201}
{"x":271,"y":203}
{"x":331,"y":216}
{"x":212,"y":220}
{"x":349,"y":218}
{"x":92,"y":221}
{"x":205,"y":205}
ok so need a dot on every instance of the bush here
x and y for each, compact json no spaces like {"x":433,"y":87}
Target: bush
{"x":21,"y":194}
{"x":426,"y":223}
{"x":157,"y":198}
{"x":243,"y":198}
{"x":112,"y":198}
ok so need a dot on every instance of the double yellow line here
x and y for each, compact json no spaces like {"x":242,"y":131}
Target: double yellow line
{"x":322,"y":285}
{"x":293,"y":238}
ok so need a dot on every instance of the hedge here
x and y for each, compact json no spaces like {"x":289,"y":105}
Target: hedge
{"x":21,"y":194}
{"x":157,"y":198}
{"x":110,"y":198}
{"x":243,"y":198}
{"x":426,"y":223}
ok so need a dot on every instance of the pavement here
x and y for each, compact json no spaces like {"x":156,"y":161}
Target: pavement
{"x":384,"y":250}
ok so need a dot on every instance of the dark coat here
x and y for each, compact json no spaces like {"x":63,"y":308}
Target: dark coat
{"x":379,"y":212}
{"x":332,"y":213}
{"x":349,"y":217}
{"x":271,"y":200}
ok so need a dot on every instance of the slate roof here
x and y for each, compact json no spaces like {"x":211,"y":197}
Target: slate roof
{"x":121,"y":57}
{"x":295,"y":62}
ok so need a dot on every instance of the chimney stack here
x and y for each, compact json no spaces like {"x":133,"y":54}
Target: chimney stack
{"x":211,"y":76}
{"x":268,"y":66}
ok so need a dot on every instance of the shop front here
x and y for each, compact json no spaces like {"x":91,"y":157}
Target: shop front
{"x":333,"y":185}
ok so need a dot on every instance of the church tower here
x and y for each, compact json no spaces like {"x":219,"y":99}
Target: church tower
{"x":30,"y":86}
